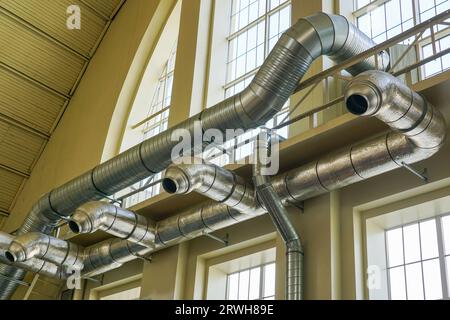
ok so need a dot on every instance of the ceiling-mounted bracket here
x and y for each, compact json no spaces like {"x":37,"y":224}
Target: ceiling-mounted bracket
{"x":422,"y":175}
{"x":224,"y":241}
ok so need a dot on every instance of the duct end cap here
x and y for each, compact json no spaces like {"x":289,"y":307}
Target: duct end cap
{"x":80,"y":223}
{"x":16,"y":253}
{"x":175,"y":181}
{"x":362,"y":99}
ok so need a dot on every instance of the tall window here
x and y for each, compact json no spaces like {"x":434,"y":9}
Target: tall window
{"x":256,"y":26}
{"x":418,"y":260}
{"x":156,"y":122}
{"x":384,"y":19}
{"x":252,"y":284}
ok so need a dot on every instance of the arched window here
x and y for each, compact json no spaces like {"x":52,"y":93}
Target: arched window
{"x":149,"y":114}
{"x":255,"y":27}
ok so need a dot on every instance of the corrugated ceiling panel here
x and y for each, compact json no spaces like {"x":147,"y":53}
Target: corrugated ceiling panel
{"x":50,"y":16}
{"x":106,"y":7}
{"x":18,"y":148}
{"x":9,"y":186}
{"x":37,"y":57}
{"x":27,"y":103}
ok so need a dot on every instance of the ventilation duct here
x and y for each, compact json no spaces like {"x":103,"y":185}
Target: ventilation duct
{"x":33,"y":265}
{"x":342,"y":168}
{"x":276,"y":80}
{"x":280,"y":217}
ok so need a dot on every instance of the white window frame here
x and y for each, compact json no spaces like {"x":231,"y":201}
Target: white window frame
{"x":438,"y":34}
{"x":442,"y":257}
{"x":261,"y":281}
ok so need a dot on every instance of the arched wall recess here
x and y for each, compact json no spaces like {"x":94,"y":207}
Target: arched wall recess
{"x":142,"y":80}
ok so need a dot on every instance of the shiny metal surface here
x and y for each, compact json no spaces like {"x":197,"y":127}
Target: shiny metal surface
{"x":38,"y":245}
{"x":214,"y":182}
{"x":273,"y":84}
{"x":116,"y":221}
{"x":280,"y":217}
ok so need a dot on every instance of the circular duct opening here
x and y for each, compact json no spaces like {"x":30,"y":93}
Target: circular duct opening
{"x":357,"y":104}
{"x":169,"y":185}
{"x":10,"y":256}
{"x":74,"y":227}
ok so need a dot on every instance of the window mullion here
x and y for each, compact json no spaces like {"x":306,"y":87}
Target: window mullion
{"x":440,"y":239}
{"x":404,"y":262}
{"x":387,"y":265}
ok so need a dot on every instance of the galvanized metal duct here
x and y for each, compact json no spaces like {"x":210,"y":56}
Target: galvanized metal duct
{"x":331,"y":172}
{"x":34,"y":265}
{"x":216,"y":183}
{"x":309,"y":38}
{"x":39,"y":245}
{"x":280,"y":217}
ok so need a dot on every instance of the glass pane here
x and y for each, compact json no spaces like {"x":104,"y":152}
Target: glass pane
{"x":361,"y":3}
{"x":407,"y":9}
{"x":428,"y":239}
{"x":379,"y":21}
{"x":269,"y":280}
{"x":412,"y":243}
{"x":233,"y":286}
{"x":393,"y":17}
{"x":445,"y":222}
{"x":397,"y":283}
{"x":425,"y":5}
{"x":364,"y":24}
{"x":432,"y":279}
{"x":244,"y":278}
{"x":255,"y":280}
{"x":285,"y":19}
{"x":395,"y":247}
{"x":273,"y":25}
{"x":414,"y":281}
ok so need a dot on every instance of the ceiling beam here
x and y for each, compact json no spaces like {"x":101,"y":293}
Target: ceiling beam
{"x":15,"y":171}
{"x":19,"y":124}
{"x":42,"y":33}
{"x":37,"y":83}
{"x":4,"y":213}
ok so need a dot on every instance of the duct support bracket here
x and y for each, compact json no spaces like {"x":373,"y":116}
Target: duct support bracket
{"x":148,"y":258}
{"x":422,"y":175}
{"x":224,"y":241}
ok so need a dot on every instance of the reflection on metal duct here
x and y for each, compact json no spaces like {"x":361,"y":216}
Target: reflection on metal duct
{"x":276,"y":80}
{"x":33,"y":265}
{"x":331,"y":172}
{"x":280,"y":217}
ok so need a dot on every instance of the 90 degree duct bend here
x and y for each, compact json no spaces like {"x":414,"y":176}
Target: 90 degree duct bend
{"x":116,"y":221}
{"x":216,"y":183}
{"x":38,"y":245}
{"x":275,"y":81}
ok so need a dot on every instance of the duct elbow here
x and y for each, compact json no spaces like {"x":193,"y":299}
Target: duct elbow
{"x":27,"y":246}
{"x":92,"y":216}
{"x":379,"y":94}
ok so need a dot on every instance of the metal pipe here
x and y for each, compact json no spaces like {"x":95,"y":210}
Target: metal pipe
{"x":275,"y":81}
{"x":42,"y":246}
{"x":280,"y":217}
{"x":331,"y":172}
{"x":32,"y":265}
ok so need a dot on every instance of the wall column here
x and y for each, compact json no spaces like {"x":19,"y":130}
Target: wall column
{"x":191,"y":60}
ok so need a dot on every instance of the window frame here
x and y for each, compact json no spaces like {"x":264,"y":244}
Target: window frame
{"x":262,"y":268}
{"x":416,"y":19}
{"x":441,"y":256}
{"x":264,"y":18}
